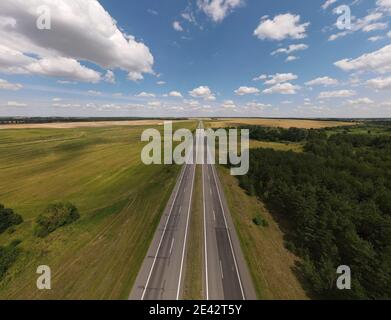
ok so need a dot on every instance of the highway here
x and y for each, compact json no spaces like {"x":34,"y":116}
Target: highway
{"x":162,"y":273}
{"x":225,"y":273}
{"x":226,"y":276}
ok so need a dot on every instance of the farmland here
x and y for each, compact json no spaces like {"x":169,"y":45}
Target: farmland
{"x":119,"y":199}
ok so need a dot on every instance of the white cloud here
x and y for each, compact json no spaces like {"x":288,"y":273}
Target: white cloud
{"x":375,"y":26}
{"x":85,"y":24}
{"x":336,"y":94}
{"x":290,"y":49}
{"x":261,"y":77}
{"x":282,"y":88}
{"x":282,"y":27}
{"x":203,"y":92}
{"x":177,"y":26}
{"x":229,"y":104}
{"x":246,"y":90}
{"x":5,"y":85}
{"x":384,"y":4}
{"x":145,"y":95}
{"x":280,"y":78}
{"x":338,"y":35}
{"x":361,"y":101}
{"x":328,"y":3}
{"x":217,"y":10}
{"x":377,"y":61}
{"x":154,"y":104}
{"x":135,"y":76}
{"x":380,"y":83}
{"x":389,"y":34}
{"x":94,"y":93}
{"x":161,"y":83}
{"x":322,"y":81}
{"x":56,"y":99}
{"x":291,"y":58}
{"x":175,"y":94}
{"x":16,"y":104}
{"x":258,"y":105}
{"x":375,"y":38}
{"x":110,"y":77}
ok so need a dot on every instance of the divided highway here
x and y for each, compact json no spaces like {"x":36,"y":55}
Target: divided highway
{"x":225,"y":272}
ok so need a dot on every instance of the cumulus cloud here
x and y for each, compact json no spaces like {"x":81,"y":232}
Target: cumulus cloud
{"x":380,"y":83}
{"x":85,"y":24}
{"x":261,"y":77}
{"x":280,"y":78}
{"x":175,"y":94}
{"x":229,"y":104}
{"x":282,"y":27}
{"x":217,"y":10}
{"x":322,"y":81}
{"x":336,"y":94}
{"x":361,"y":101}
{"x":378,"y":61}
{"x":110,"y":77}
{"x":177,"y":26}
{"x":291,"y":58}
{"x":5,"y":85}
{"x":290,"y":49}
{"x":16,"y":104}
{"x":384,"y":4}
{"x":203,"y":92}
{"x":282,"y":88}
{"x":328,"y":3}
{"x":145,"y":95}
{"x":246,"y":90}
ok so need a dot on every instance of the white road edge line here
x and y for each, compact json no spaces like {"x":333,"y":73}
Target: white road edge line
{"x":205,"y":244}
{"x":229,"y":236}
{"x":164,"y":232}
{"x":185,"y":240}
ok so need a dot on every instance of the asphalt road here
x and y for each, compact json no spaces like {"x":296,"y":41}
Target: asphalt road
{"x":226,"y":275}
{"x":162,"y":273}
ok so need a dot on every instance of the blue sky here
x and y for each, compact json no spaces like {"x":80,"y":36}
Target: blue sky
{"x":195,"y":58}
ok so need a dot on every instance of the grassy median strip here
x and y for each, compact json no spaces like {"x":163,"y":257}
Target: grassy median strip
{"x":270,"y":263}
{"x":194,"y":260}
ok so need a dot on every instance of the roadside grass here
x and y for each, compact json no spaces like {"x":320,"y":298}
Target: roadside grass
{"x":193,"y":288}
{"x":270,"y":263}
{"x":119,"y":198}
{"x":278,"y":146}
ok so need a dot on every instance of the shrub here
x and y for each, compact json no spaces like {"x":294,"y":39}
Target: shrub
{"x":8,"y":256}
{"x":259,"y":221}
{"x":8,"y":218}
{"x":55,"y":216}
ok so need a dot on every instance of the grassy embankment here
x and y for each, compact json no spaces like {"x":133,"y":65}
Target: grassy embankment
{"x":270,"y":263}
{"x":119,"y":198}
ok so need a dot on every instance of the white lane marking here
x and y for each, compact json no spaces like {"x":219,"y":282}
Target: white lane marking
{"x":210,"y":190}
{"x":185,"y":240}
{"x":205,"y":243}
{"x":172,"y":244}
{"x":221,"y":268}
{"x":180,"y":208}
{"x":164,"y":232}
{"x":229,"y":236}
{"x":214,"y":215}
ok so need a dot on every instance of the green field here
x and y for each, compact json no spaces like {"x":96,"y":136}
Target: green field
{"x":119,"y":198}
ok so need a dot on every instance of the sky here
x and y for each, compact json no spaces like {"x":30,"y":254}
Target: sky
{"x":189,"y":58}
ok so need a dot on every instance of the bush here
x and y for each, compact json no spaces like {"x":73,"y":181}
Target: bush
{"x":8,"y":256}
{"x":55,"y":216}
{"x":8,"y":218}
{"x":259,"y":221}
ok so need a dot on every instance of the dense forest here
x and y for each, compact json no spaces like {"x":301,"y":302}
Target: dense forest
{"x":336,"y":200}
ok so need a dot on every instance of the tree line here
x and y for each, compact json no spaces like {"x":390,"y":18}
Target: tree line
{"x":336,"y":199}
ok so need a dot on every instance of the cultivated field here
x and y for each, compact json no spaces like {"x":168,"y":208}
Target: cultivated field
{"x":283,"y":123}
{"x":73,"y":125}
{"x":119,"y":198}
